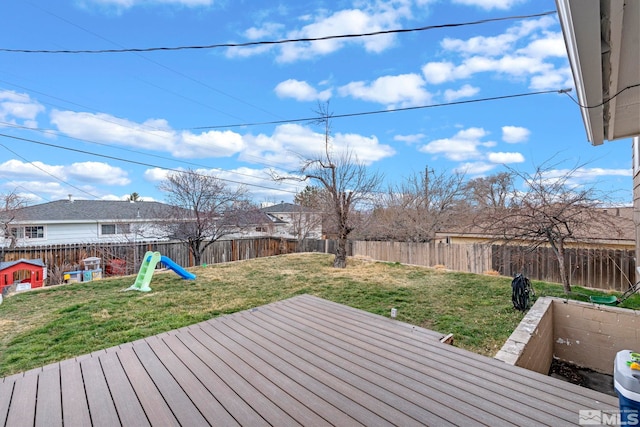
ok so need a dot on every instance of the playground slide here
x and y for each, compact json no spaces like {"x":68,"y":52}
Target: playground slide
{"x":148,"y":266}
{"x":177,"y":269}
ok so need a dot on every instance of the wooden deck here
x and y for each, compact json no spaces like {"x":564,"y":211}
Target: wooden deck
{"x":302,"y":361}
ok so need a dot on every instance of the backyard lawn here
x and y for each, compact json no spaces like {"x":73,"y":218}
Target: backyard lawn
{"x":56,"y":323}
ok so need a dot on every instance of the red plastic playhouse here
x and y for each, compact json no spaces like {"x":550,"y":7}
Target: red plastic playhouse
{"x":24,"y":273}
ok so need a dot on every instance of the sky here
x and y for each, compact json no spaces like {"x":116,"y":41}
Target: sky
{"x":104,"y":125}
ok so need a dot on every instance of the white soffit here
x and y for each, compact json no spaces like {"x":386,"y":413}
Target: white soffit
{"x":603,"y":43}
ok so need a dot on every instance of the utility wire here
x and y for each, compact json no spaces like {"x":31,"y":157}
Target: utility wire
{"x":367,"y":113}
{"x":102,"y":144}
{"x":284,"y":41}
{"x":606,"y":101}
{"x":46,"y":144}
{"x":48,"y":173}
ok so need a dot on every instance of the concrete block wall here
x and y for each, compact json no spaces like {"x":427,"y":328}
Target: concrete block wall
{"x":585,"y":334}
{"x":590,"y":335}
{"x":531,"y":345}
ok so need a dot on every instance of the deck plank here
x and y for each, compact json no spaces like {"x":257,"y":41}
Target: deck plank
{"x":126,"y":402}
{"x":228,"y":397}
{"x":75,"y":409}
{"x":101,"y":407}
{"x":23,"y":401}
{"x":243,"y":387}
{"x":275,"y":372}
{"x":6,"y":392}
{"x":203,"y":400}
{"x":414,"y":371}
{"x":427,"y":405}
{"x":151,"y":400}
{"x":49,"y":402}
{"x":182,"y":407}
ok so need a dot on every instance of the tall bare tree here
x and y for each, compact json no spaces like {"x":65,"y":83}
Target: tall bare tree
{"x":346,"y":182}
{"x":206,"y":209}
{"x":550,"y":210}
{"x":491,"y":192}
{"x":418,"y":207}
{"x":10,"y":203}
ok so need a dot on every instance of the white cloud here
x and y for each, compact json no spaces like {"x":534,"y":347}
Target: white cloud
{"x":558,"y":78}
{"x":474,"y":168}
{"x":505,"y":158}
{"x":405,"y":90}
{"x":152,"y":134}
{"x":462,"y":146}
{"x":438,"y":72}
{"x":490,"y":4}
{"x":464,"y":92}
{"x":300,"y":91}
{"x":86,"y":172}
{"x":550,"y":45}
{"x":97,"y":172}
{"x":366,"y":17}
{"x":16,"y":107}
{"x":480,"y":45}
{"x":208,"y":144}
{"x":515,"y":134}
{"x":290,"y":143}
{"x":410,"y":139}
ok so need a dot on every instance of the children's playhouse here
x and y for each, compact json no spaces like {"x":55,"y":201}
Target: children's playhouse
{"x":23,"y":273}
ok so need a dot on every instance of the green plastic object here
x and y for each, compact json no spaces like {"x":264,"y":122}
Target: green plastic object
{"x":146,"y":272}
{"x":606,"y":300}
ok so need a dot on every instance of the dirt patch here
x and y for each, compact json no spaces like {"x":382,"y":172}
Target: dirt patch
{"x":583,"y":377}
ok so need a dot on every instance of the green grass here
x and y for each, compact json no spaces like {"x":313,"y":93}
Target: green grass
{"x":44,"y":326}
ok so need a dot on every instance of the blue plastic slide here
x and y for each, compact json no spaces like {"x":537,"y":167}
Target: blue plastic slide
{"x":147,"y":269}
{"x":176,"y":268}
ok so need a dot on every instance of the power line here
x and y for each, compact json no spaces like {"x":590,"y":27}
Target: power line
{"x":284,"y":41}
{"x":46,"y":144}
{"x":47,"y":172}
{"x":102,"y":144}
{"x":367,"y":113}
{"x":606,"y":101}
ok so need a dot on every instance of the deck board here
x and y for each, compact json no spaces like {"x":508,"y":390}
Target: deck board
{"x":301,"y":361}
{"x":49,"y":402}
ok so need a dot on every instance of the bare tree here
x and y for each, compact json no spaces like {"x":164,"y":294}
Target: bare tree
{"x":347,"y":183}
{"x":418,"y":207}
{"x":492,"y":192}
{"x":10,"y":203}
{"x":206,"y":209}
{"x":551,"y":210}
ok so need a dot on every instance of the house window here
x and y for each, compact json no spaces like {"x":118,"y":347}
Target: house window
{"x":107,"y":229}
{"x":29,"y":232}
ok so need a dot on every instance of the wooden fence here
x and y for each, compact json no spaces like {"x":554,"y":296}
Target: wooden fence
{"x":471,"y":258}
{"x":597,"y":268}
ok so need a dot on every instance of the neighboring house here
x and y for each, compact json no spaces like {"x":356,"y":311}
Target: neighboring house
{"x":602,"y":43}
{"x":617,"y":232}
{"x":295,"y":221}
{"x":83,"y":221}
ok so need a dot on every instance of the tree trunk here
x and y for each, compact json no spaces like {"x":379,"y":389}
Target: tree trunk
{"x":340,"y":261}
{"x":566,"y":284}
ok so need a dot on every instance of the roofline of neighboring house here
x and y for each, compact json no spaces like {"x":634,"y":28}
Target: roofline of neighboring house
{"x":590,"y":240}
{"x":85,"y":221}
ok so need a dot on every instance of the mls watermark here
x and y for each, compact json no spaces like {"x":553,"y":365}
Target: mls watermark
{"x":624,"y":417}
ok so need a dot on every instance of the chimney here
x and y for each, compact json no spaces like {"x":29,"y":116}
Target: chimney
{"x":70,"y":198}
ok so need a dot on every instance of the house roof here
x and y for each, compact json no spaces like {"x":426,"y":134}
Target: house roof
{"x":89,"y":210}
{"x":615,"y":225}
{"x":8,"y":264}
{"x":602,"y":40}
{"x":285,"y":208}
